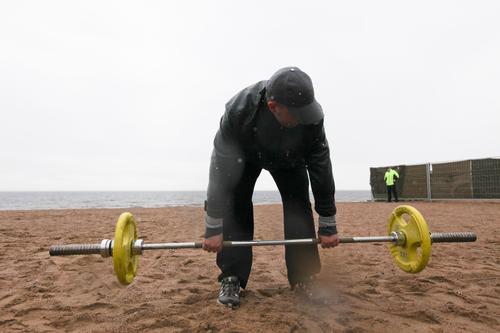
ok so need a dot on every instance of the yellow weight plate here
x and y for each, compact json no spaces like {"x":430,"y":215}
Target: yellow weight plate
{"x":413,"y":255}
{"x":124,"y":260}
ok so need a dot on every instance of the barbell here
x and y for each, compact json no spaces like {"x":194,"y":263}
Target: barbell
{"x":407,"y":232}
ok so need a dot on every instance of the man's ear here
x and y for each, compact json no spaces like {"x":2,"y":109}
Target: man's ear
{"x":272,"y":106}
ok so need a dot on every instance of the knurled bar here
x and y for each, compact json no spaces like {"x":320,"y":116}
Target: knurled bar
{"x":453,"y":237}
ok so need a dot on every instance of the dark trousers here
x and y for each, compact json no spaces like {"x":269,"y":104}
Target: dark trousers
{"x":392,"y":188}
{"x":301,"y":260}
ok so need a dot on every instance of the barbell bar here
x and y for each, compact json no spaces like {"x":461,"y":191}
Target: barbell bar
{"x":408,"y":235}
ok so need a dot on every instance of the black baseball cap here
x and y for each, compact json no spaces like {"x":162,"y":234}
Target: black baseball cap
{"x":293,"y":88}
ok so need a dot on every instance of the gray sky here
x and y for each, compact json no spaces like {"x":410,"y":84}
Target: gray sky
{"x":118,"y":95}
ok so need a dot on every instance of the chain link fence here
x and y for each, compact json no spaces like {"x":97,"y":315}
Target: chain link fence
{"x":468,"y":179}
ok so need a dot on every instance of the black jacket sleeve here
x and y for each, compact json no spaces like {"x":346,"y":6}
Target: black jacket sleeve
{"x":228,"y":159}
{"x":226,"y":166}
{"x":319,"y":167}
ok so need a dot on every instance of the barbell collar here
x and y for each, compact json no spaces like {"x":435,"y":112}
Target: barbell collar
{"x":106,"y":248}
{"x":399,"y":238}
{"x":138,"y":246}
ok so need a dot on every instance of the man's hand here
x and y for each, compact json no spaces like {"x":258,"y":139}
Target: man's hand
{"x":213,"y":244}
{"x":329,"y":241}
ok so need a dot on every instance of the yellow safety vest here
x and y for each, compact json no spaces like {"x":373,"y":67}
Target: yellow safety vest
{"x":389,"y":177}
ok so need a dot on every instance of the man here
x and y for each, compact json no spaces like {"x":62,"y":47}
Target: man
{"x":390,"y":178}
{"x":275,"y":125}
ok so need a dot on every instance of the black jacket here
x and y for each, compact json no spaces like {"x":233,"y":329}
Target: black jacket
{"x":249,"y":133}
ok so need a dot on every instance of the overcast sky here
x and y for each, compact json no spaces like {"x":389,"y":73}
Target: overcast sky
{"x":118,"y":95}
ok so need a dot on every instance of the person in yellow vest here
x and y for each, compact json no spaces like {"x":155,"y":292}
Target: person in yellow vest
{"x":390,"y":178}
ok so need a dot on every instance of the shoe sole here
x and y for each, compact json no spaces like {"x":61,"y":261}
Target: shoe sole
{"x":229,"y":305}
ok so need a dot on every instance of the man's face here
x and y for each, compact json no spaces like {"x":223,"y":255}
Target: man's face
{"x":282,"y":114}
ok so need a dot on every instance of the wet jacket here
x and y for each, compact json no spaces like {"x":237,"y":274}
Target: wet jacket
{"x":249,"y":133}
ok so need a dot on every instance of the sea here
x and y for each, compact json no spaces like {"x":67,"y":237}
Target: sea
{"x":146,"y":199}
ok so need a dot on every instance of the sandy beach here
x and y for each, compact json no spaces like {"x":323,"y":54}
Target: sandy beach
{"x":176,"y":290}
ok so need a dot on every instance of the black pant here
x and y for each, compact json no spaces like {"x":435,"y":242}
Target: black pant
{"x":392,"y":188}
{"x":301,"y":260}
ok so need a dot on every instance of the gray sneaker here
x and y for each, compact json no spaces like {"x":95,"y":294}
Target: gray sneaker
{"x":229,"y":294}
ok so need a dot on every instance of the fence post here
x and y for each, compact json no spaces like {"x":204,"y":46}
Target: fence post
{"x":428,"y":171}
{"x":471,"y":180}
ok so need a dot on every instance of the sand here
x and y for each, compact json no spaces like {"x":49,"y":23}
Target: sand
{"x":176,"y":290}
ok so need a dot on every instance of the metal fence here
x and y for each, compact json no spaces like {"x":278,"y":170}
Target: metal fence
{"x":469,"y":179}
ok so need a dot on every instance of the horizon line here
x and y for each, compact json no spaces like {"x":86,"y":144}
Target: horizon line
{"x":264,"y":190}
